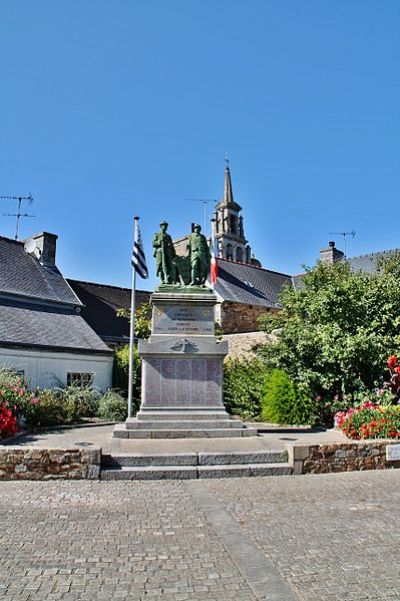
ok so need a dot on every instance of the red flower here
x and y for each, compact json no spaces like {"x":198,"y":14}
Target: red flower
{"x":392,"y":361}
{"x":397,"y":369}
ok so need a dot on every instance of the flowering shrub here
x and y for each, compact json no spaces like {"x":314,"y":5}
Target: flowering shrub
{"x":8,"y":423}
{"x":394,"y":383}
{"x":370,"y":421}
{"x":17,"y":402}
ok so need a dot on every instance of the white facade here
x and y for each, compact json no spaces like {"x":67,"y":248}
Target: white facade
{"x":47,"y":369}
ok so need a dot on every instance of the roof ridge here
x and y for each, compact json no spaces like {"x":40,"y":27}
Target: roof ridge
{"x":12,"y":240}
{"x":254,"y":266}
{"x":377,"y":252}
{"x":104,"y":285}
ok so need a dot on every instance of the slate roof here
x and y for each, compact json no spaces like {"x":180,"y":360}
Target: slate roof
{"x":23,"y":274}
{"x":100,"y":304}
{"x":35,"y":326}
{"x":250,"y":285}
{"x":368,"y":262}
{"x":38,"y":307}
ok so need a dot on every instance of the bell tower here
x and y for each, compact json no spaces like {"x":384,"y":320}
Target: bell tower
{"x":228,"y":226}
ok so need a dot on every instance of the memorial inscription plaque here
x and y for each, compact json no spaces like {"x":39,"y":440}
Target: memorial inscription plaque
{"x":184,"y":319}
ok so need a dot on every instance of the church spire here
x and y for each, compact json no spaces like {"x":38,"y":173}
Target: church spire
{"x":228,"y":194}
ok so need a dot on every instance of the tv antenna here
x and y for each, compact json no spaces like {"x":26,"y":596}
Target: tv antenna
{"x":345,"y":235}
{"x":18,"y":214}
{"x":205,"y":202}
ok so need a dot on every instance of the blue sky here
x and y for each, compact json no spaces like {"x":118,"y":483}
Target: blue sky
{"x":111,"y":109}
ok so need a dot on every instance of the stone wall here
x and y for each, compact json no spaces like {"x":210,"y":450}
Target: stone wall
{"x":341,"y":457}
{"x":238,"y":317}
{"x":33,"y":463}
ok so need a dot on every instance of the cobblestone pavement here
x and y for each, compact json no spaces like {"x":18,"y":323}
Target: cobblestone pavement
{"x":309,"y":538}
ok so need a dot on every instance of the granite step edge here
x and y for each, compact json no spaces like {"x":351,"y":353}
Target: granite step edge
{"x":184,"y":472}
{"x":193,"y":458}
{"x":126,"y":433}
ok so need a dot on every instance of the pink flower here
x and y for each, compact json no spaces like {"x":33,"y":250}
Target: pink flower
{"x":34,"y":400}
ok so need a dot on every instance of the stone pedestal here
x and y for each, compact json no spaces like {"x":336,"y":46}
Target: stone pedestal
{"x":182,"y":373}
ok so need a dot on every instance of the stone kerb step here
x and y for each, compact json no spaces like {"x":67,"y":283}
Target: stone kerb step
{"x":121,"y":431}
{"x":120,"y":460}
{"x":185,"y":472}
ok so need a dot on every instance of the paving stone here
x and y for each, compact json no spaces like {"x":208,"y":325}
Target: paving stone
{"x":323,"y":538}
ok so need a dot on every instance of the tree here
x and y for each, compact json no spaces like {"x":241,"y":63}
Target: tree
{"x":142,"y":319}
{"x":336,"y":330}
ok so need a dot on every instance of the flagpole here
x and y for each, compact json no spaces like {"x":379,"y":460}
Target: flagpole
{"x":132,"y":328}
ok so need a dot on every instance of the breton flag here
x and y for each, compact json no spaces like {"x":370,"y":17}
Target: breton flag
{"x":214,"y":265}
{"x":138,"y":256}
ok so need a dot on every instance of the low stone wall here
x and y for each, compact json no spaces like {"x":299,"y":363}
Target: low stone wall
{"x":33,"y":463}
{"x":341,"y":457}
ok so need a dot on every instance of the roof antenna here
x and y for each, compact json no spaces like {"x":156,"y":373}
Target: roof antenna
{"x":344,"y":234}
{"x":18,"y":214}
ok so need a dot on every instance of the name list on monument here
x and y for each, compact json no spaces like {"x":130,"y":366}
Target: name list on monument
{"x":186,"y":319}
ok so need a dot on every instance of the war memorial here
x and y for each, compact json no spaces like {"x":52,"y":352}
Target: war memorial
{"x":182,"y":362}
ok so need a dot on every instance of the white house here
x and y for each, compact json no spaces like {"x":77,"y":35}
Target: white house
{"x":42,"y":333}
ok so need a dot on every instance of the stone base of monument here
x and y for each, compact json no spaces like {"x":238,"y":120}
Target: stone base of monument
{"x":182,"y":373}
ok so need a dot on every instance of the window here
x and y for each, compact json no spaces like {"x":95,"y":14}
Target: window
{"x":239,"y":254}
{"x":79,"y":379}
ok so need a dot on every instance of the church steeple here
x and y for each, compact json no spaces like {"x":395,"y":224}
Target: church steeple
{"x":228,"y":225}
{"x":228,"y":194}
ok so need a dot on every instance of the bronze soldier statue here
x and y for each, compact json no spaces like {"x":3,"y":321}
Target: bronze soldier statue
{"x":199,"y":256}
{"x":164,"y":253}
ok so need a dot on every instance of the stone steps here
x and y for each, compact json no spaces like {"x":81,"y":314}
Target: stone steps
{"x":193,"y":424}
{"x":185,"y":472}
{"x":121,"y":431}
{"x":169,"y":466}
{"x":174,"y":415}
{"x":119,"y":460}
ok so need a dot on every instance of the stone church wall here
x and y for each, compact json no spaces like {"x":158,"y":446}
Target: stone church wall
{"x":237,"y":317}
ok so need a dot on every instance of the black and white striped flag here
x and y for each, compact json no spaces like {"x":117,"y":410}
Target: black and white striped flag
{"x":138,"y":256}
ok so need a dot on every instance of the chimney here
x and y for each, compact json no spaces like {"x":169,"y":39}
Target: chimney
{"x":46,"y":244}
{"x":331,"y":254}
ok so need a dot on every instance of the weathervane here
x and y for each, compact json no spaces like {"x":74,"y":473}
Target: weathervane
{"x":18,"y":214}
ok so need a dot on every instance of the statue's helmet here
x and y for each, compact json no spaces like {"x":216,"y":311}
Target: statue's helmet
{"x":197,"y":226}
{"x":164,"y":223}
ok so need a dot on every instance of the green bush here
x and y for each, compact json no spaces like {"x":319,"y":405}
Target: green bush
{"x":113,"y":406}
{"x":50,"y":409}
{"x":80,"y":401}
{"x":121,"y":373}
{"x":243,"y":387}
{"x":336,"y":329}
{"x":286,"y":403}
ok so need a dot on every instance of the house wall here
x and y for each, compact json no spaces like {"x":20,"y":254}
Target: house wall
{"x":48,"y":369}
{"x":237,"y":317}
